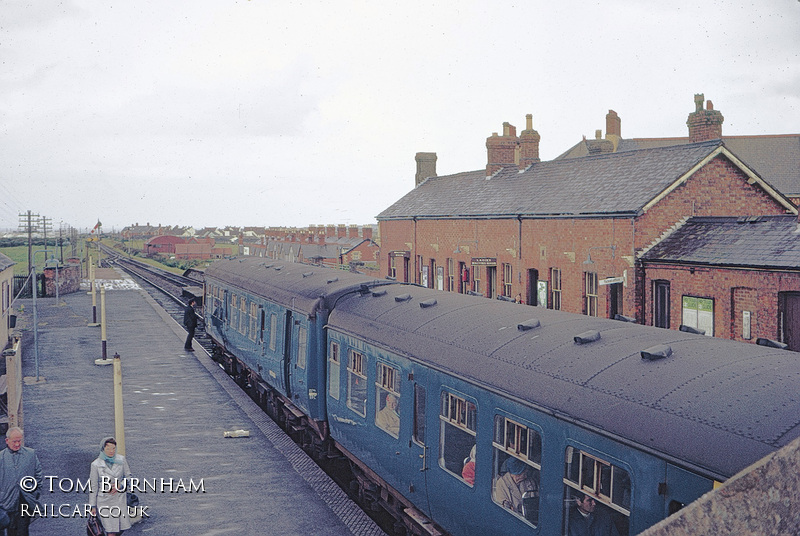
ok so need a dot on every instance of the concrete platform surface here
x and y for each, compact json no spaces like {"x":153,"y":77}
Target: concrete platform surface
{"x":177,"y":406}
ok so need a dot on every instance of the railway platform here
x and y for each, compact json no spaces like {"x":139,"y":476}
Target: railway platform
{"x":177,"y":408}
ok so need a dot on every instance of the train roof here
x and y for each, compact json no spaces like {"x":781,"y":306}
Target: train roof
{"x":713,"y":405}
{"x":293,"y":285}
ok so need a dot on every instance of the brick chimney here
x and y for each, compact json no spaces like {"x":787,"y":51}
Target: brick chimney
{"x":426,"y":167}
{"x":330,"y":231}
{"x":341,"y":231}
{"x":613,"y":128}
{"x":366,"y":232}
{"x":704,"y":124}
{"x":502,"y":150}
{"x":528,"y":144}
{"x":352,"y":231}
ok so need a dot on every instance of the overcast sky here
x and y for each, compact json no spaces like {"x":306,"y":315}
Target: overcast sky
{"x":262,"y":112}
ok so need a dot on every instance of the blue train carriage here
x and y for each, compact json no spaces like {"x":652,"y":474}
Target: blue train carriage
{"x":266,"y":318}
{"x":628,"y":421}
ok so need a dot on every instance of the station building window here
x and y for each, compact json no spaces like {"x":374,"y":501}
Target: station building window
{"x":592,"y":484}
{"x":334,"y":364}
{"x":476,"y":279}
{"x":387,"y":399}
{"x":357,"y":382}
{"x":508,"y":280}
{"x":451,"y":276}
{"x":555,"y":288}
{"x":517,"y":466}
{"x":590,"y":293}
{"x":698,"y":313}
{"x":458,"y":417}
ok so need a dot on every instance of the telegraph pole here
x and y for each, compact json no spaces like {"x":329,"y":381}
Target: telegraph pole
{"x":27,"y":223}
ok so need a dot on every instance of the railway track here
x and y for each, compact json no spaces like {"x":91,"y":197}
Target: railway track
{"x":172,"y":292}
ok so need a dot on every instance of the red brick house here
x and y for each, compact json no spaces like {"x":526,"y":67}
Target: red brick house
{"x":566,"y":233}
{"x":736,"y":278}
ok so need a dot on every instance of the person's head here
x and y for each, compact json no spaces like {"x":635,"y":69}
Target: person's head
{"x":391,"y":401}
{"x":109,"y":446}
{"x":472,"y":453}
{"x":517,"y":468}
{"x":192,"y":301}
{"x":585,"y":503}
{"x":14,"y":438}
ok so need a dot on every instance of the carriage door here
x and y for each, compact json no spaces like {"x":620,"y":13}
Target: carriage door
{"x":420,"y":449}
{"x":287,"y":354}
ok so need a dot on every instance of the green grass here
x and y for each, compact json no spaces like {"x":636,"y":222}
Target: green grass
{"x":19,"y":254}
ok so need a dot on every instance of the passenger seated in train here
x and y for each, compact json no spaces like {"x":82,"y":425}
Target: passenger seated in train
{"x":388,"y":418}
{"x":468,"y":472}
{"x":587,"y":518}
{"x":516,"y":483}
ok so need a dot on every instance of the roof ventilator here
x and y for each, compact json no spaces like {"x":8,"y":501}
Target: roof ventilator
{"x":268,"y":266}
{"x":427,"y":303}
{"x":528,"y":324}
{"x":623,"y":318}
{"x":332,"y":280}
{"x":402,"y":298}
{"x":378,"y":293}
{"x":771,"y":344}
{"x":308,"y":274}
{"x":279,"y":268}
{"x":586,"y":337}
{"x":690,"y":329}
{"x":659,"y":351}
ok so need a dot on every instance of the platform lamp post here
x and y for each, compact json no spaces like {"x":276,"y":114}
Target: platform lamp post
{"x":119,"y":417}
{"x":92,"y":291}
{"x":103,"y":338}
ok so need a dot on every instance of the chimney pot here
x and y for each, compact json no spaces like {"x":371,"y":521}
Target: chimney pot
{"x":528,"y":144}
{"x":598,"y":134}
{"x":705,"y":124}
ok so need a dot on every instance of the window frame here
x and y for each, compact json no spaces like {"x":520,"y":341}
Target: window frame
{"x":555,"y":289}
{"x":356,"y":370}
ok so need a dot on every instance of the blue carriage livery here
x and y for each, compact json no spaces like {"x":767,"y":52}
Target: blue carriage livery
{"x":479,"y":416}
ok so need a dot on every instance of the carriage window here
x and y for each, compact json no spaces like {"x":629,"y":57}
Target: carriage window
{"x":357,"y":383}
{"x":517,"y":464}
{"x":302,"y":347}
{"x":333,"y":370}
{"x":253,"y":320}
{"x":387,"y":399}
{"x":243,"y":316}
{"x":419,"y":414}
{"x":234,"y":316}
{"x":273,"y":329}
{"x":458,"y":418}
{"x":593,"y":485}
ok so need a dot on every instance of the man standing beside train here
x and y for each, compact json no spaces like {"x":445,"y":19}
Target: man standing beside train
{"x":190,"y":321}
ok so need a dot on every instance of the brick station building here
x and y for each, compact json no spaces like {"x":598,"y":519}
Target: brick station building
{"x":569,"y":233}
{"x":736,"y":278}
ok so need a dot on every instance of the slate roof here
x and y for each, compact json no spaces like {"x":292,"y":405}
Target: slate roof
{"x":775,"y":158}
{"x":620,"y":183}
{"x":5,"y":262}
{"x":762,"y":242}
